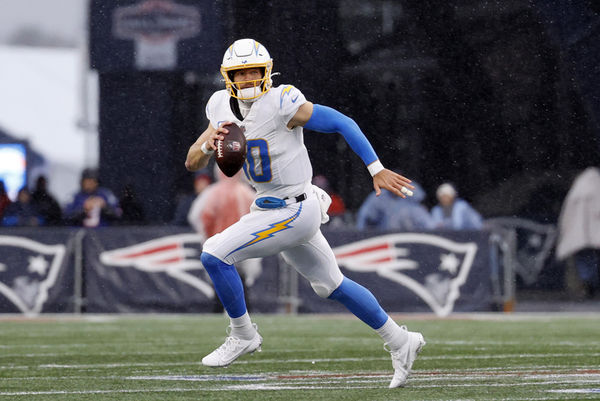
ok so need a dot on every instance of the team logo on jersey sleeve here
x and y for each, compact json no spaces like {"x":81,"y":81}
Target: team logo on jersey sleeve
{"x":444,"y":264}
{"x":28,"y":270}
{"x":286,"y":92}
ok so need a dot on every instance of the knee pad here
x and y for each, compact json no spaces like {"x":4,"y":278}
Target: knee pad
{"x":322,"y":290}
{"x":208,"y":246}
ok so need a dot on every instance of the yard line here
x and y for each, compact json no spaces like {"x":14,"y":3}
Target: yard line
{"x":577,"y":390}
{"x":24,"y":393}
{"x":321,"y":360}
{"x":62,"y":392}
{"x":10,"y":346}
{"x":115,"y":365}
{"x":202,"y":378}
{"x":142,"y":344}
{"x":424,"y":357}
{"x":528,"y":343}
{"x":508,"y":356}
{"x":524,"y":383}
{"x":320,"y":385}
{"x":99,"y":344}
{"x":420,"y":376}
{"x":162,"y":390}
{"x":51,"y":378}
{"x":266,"y":386}
{"x":58,"y":354}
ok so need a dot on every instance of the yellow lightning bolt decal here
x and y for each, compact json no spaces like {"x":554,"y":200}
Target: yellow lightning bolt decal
{"x":284,"y":92}
{"x":269,"y":232}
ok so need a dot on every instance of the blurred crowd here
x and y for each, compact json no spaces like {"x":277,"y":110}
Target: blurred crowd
{"x":95,"y":205}
{"x":92,"y":206}
{"x":388,"y":212}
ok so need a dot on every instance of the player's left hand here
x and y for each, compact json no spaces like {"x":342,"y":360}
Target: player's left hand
{"x":391,"y":181}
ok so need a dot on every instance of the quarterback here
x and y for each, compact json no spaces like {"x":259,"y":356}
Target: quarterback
{"x":288,"y":210}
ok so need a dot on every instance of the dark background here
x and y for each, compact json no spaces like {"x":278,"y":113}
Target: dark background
{"x":499,"y":97}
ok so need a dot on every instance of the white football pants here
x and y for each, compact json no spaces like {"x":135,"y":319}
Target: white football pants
{"x":294,"y":231}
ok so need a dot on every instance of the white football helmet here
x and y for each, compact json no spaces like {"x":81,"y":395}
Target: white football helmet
{"x":247,"y":53}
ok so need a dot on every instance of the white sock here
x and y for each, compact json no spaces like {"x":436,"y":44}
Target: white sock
{"x":242,"y":328}
{"x":393,"y":335}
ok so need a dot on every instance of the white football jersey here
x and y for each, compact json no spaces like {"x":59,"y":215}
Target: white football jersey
{"x":277,"y":162}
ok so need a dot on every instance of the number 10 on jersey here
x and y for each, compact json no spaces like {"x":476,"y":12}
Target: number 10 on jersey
{"x":258,"y":161}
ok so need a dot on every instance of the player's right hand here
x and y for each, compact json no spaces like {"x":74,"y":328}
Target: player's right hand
{"x":217,"y":135}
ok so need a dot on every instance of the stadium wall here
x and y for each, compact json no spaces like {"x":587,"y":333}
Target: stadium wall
{"x":157,"y":269}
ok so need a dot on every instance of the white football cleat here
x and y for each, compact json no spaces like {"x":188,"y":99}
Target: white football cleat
{"x":402,"y":359}
{"x":231,"y":350}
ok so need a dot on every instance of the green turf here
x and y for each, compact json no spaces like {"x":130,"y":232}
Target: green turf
{"x":488,"y":357}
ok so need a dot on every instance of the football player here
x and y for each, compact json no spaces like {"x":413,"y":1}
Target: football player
{"x":288,"y":211}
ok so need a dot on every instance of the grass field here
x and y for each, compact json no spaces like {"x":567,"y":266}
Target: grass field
{"x":468,"y":357}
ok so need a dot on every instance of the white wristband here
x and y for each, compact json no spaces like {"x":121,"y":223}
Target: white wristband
{"x":375,"y":167}
{"x":206,"y":150}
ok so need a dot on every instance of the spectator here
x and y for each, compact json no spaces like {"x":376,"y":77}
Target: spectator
{"x":133,"y":212}
{"x":46,"y":205}
{"x":454,"y":213}
{"x":579,"y":228}
{"x":22,"y":212}
{"x":337,"y":209}
{"x":202,"y":180}
{"x":218,"y":207}
{"x":390,"y":212}
{"x":93,"y":205}
{"x":4,"y":199}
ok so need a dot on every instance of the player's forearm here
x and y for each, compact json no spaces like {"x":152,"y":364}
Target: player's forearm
{"x":196,"y":158}
{"x":199,"y":153}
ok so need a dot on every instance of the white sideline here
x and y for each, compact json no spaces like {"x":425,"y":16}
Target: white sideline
{"x":317,"y":360}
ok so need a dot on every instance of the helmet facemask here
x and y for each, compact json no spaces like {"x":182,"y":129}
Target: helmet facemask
{"x":258,"y":86}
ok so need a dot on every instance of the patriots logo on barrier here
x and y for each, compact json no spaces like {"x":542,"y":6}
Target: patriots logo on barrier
{"x":163,"y":255}
{"x":28,"y":269}
{"x":445,"y":264}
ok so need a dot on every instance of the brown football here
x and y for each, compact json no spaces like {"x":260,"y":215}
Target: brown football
{"x":231,"y":152}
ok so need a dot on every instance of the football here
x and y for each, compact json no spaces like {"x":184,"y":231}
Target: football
{"x":231,"y":152}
